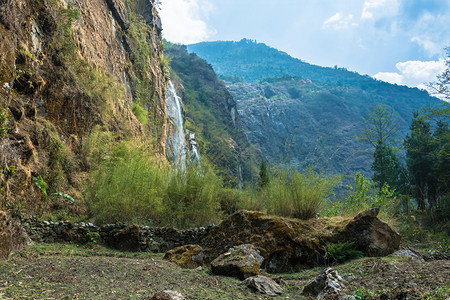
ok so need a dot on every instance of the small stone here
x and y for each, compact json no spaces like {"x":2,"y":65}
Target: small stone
{"x":264,"y":285}
{"x":168,"y":295}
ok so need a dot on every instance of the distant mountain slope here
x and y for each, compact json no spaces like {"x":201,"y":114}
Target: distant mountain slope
{"x":318,"y":110}
{"x":210,"y":113}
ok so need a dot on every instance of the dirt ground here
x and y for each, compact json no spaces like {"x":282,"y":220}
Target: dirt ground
{"x":67,"y":271}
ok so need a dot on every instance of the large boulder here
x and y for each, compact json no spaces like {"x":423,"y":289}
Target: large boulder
{"x":241,"y":262}
{"x":370,"y":235}
{"x":187,"y":256}
{"x":6,"y":246}
{"x":291,"y":243}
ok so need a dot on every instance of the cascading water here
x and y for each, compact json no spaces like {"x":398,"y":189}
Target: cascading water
{"x":178,"y":139}
{"x":194,"y":151}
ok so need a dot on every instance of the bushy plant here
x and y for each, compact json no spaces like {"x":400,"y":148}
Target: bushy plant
{"x":340,"y":252}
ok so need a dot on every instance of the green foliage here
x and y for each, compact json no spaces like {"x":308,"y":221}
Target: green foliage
{"x":340,"y":252}
{"x":140,"y":113}
{"x":39,"y":181}
{"x":364,"y":195}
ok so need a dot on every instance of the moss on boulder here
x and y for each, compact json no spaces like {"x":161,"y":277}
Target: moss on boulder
{"x":187,"y":256}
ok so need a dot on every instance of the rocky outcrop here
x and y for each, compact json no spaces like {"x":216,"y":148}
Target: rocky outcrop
{"x":290,"y":243}
{"x":67,"y":67}
{"x":241,"y":262}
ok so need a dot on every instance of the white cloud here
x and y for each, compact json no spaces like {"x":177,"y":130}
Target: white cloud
{"x":430,"y":47}
{"x":339,"y":21}
{"x":184,"y":20}
{"x":414,"y":73}
{"x":379,"y":7}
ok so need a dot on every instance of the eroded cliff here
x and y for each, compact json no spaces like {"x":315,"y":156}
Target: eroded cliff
{"x":68,"y":68}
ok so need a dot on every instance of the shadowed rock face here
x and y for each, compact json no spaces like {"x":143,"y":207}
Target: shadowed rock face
{"x":290,"y":243}
{"x":5,"y":236}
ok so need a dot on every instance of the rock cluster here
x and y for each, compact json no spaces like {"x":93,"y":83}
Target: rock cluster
{"x":120,"y":236}
{"x":327,"y":283}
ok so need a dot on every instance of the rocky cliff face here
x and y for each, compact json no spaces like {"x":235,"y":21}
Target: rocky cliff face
{"x":65,"y":68}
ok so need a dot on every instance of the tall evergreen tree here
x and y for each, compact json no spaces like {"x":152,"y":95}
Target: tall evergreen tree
{"x":419,"y":159}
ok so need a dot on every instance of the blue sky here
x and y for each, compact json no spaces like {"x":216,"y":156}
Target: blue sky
{"x":400,"y":41}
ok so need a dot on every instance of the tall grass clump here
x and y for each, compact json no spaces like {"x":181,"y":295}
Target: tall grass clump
{"x":295,"y":193}
{"x":192,"y":196}
{"x":129,"y":186}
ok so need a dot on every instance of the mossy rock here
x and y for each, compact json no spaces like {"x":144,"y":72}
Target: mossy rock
{"x":5,"y":236}
{"x":187,"y":256}
{"x":288,"y":244}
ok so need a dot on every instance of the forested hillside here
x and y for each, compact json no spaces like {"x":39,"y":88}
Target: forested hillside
{"x":301,"y":113}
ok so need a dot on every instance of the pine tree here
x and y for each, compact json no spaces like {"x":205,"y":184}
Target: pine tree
{"x":263,"y":175}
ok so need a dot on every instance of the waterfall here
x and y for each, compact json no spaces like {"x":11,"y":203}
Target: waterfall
{"x":194,"y":151}
{"x":178,"y":139}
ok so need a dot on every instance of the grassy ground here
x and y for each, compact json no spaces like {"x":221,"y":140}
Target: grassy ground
{"x":69,"y":271}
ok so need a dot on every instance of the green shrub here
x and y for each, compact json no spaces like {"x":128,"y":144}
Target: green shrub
{"x":298,"y":194}
{"x":340,"y":252}
{"x":140,"y":113}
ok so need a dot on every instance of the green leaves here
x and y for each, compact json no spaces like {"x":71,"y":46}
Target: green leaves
{"x":341,"y":252}
{"x":65,"y":196}
{"x":39,"y":181}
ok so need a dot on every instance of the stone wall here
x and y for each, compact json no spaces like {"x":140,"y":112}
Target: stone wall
{"x":124,"y":237}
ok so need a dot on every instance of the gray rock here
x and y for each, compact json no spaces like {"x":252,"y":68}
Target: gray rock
{"x":241,"y":262}
{"x":168,"y":295}
{"x":263,"y":285}
{"x":328,"y":282}
{"x":409,"y":253}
